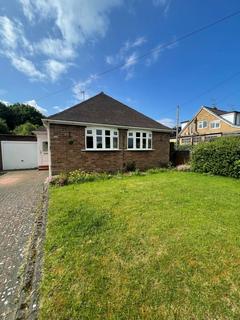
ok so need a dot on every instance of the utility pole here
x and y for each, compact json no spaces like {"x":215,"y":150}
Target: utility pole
{"x":177,"y":126}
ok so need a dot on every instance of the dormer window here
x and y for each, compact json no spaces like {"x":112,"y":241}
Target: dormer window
{"x":202,"y":124}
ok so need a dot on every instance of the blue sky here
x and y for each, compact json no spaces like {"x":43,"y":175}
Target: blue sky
{"x":52,"y":50}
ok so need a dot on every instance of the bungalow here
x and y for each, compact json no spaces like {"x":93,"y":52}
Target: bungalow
{"x":102,"y":134}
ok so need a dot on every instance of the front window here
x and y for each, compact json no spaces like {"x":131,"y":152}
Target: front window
{"x":202,"y":124}
{"x":139,"y":140}
{"x":101,"y":139}
{"x":215,"y":124}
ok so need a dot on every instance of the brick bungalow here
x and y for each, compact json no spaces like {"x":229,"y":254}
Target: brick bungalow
{"x":103,"y":134}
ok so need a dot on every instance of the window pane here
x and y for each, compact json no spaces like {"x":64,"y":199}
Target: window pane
{"x":45,"y":146}
{"x":115,"y":133}
{"x":138,"y":143}
{"x":99,"y":132}
{"x":89,"y":131}
{"x":115,"y":143}
{"x":144,"y":143}
{"x":144,"y":134}
{"x":107,"y":132}
{"x":107,"y":143}
{"x":99,"y":142}
{"x":150,"y":135}
{"x":149,"y":143}
{"x":138,"y":134}
{"x":130,"y":134}
{"x":89,"y":142}
{"x":130,"y":143}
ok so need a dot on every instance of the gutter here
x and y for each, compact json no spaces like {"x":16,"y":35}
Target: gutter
{"x":84,"y":124}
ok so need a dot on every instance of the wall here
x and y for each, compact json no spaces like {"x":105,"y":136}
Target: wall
{"x":67,"y":144}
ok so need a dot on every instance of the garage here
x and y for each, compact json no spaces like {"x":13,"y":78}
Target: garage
{"x":16,"y":155}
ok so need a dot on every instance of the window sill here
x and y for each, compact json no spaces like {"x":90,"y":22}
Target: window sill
{"x":141,"y":150}
{"x":100,"y":150}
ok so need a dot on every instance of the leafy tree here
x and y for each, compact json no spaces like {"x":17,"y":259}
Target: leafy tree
{"x":21,"y":113}
{"x":3,"y":126}
{"x":25,"y":129}
{"x":5,"y":112}
{"x":17,"y":114}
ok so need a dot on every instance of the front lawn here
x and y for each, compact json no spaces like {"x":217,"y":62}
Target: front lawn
{"x":162,"y":246}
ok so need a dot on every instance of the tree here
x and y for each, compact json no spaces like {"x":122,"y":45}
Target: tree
{"x":25,"y":129}
{"x":3,"y":126}
{"x":17,"y":114}
{"x":21,"y":113}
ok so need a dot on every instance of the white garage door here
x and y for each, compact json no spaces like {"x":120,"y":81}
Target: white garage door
{"x":19,"y":155}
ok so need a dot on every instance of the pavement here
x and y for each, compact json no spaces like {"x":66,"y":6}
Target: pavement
{"x":20,"y":195}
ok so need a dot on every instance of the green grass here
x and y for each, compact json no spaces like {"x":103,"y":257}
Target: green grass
{"x":162,"y":246}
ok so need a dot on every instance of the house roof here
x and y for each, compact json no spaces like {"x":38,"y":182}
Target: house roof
{"x":219,"y":112}
{"x":103,"y":109}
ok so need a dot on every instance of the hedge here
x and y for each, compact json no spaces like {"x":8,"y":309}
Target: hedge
{"x":218,"y":157}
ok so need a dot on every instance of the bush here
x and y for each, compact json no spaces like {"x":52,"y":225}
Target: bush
{"x":130,"y":166}
{"x":218,"y":157}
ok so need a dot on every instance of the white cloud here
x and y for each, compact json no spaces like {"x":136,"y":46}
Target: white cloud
{"x":130,"y":61}
{"x":34,"y":104}
{"x":7,"y":103}
{"x":123,"y":51}
{"x":55,"y":68}
{"x":12,"y":35}
{"x":168,"y":122}
{"x":77,"y":21}
{"x":138,"y":42}
{"x":25,"y":66}
{"x":165,"y":4}
{"x":55,"y":48}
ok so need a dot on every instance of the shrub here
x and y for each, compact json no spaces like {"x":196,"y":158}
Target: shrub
{"x":218,"y":157}
{"x":130,"y":166}
{"x":79,"y":176}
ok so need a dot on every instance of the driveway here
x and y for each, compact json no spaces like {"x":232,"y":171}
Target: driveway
{"x":20,"y":194}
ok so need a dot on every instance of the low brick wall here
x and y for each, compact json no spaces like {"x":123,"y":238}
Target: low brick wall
{"x":67,"y":157}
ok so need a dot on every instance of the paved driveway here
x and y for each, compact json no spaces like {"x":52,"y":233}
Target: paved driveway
{"x":20,"y":193}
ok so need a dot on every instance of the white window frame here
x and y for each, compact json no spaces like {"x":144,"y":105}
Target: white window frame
{"x":201,"y":124}
{"x":133,"y":134}
{"x":214,"y":123}
{"x":114,"y":133}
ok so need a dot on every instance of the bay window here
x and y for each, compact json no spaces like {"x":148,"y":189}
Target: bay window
{"x":139,"y":140}
{"x":101,"y":139}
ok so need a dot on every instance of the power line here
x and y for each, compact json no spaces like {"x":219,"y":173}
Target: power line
{"x":219,"y":84}
{"x":151,"y":51}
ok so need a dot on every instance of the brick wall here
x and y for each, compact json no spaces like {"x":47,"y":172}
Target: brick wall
{"x":67,"y":145}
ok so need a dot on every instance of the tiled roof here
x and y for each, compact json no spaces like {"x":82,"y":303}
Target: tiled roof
{"x":103,"y":109}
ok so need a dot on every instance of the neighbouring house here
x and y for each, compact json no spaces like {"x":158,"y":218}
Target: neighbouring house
{"x":208,"y":124}
{"x":102,"y":134}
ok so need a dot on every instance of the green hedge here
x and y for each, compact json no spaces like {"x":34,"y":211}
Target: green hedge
{"x":219,"y":157}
